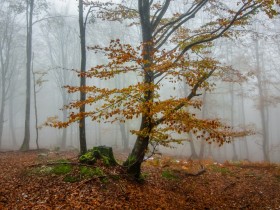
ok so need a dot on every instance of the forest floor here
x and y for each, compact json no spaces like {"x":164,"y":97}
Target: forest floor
{"x":55,"y":180}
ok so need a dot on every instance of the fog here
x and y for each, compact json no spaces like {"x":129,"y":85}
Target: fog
{"x":251,"y":102}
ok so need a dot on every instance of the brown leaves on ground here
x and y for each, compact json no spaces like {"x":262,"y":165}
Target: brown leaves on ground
{"x":167,"y":185}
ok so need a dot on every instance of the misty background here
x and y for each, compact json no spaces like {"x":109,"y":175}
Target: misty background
{"x":252,"y":103}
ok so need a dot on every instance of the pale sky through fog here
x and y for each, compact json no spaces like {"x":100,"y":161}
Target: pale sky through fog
{"x":72,"y":4}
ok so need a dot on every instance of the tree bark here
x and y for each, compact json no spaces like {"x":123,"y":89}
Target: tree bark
{"x":29,"y":14}
{"x":82,"y":124}
{"x":35,"y":105}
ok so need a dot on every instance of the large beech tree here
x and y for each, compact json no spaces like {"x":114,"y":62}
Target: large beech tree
{"x":171,"y":50}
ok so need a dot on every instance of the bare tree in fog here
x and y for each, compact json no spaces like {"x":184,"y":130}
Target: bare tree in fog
{"x":8,"y":60}
{"x":62,"y":41}
{"x":264,"y":113}
{"x":30,"y":6}
{"x":82,"y":124}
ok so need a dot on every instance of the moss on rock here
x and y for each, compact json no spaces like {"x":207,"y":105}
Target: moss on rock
{"x":101,"y":152}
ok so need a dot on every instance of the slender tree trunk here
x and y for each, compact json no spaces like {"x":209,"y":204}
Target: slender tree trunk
{"x":265,"y":145}
{"x":11,"y":118}
{"x":232,"y":121}
{"x":243,"y":122}
{"x":35,"y":106}
{"x":124,"y":136}
{"x":193,"y":152}
{"x":5,"y":48}
{"x":26,"y":140}
{"x":2,"y":109}
{"x":202,"y":145}
{"x":210,"y":153}
{"x":82,"y":125}
{"x":64,"y":130}
{"x":65,"y":99}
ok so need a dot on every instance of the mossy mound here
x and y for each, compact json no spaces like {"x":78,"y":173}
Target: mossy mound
{"x":99,"y":153}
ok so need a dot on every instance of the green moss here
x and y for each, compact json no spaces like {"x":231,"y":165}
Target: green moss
{"x":168,"y":174}
{"x":101,"y":152}
{"x":88,"y":158}
{"x":90,"y":172}
{"x":61,"y":169}
{"x":98,"y":172}
{"x":106,"y":161}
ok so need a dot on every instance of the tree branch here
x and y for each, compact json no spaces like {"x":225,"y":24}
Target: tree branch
{"x":172,"y":27}
{"x":161,"y":14}
{"x":241,"y":10}
{"x":189,"y":97}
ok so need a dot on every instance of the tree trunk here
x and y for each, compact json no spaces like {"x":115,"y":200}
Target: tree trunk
{"x":265,"y":145}
{"x":2,"y":111}
{"x":11,"y":118}
{"x":243,"y":122}
{"x":29,"y":14}
{"x":234,"y":157}
{"x":202,"y":145}
{"x":136,"y":157}
{"x":35,"y":106}
{"x":193,"y":152}
{"x":5,"y":58}
{"x":82,"y":124}
{"x":64,"y":130}
{"x":124,"y":136}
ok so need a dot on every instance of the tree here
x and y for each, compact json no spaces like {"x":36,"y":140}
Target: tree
{"x":29,"y":27}
{"x":82,"y":124}
{"x":168,"y":52}
{"x":8,"y":55}
{"x":62,"y":42}
{"x":37,"y":81}
{"x":30,"y":6}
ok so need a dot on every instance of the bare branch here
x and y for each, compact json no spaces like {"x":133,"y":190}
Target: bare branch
{"x":161,"y":14}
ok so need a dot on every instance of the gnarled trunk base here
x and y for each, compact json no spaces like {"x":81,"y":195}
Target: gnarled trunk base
{"x":136,"y":157}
